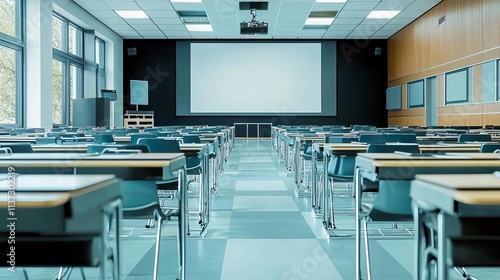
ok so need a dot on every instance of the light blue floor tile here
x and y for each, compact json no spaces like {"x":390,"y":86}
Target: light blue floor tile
{"x":269,"y":225}
{"x":256,"y":159}
{"x":276,"y":259}
{"x":257,"y":167}
{"x":264,"y":203}
{"x":276,"y":185}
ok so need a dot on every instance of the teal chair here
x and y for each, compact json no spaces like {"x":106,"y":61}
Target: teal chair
{"x":18,"y":147}
{"x":392,"y":202}
{"x":46,"y":140}
{"x":140,"y":201}
{"x":462,"y":138}
{"x":134,"y":137}
{"x":104,"y":138}
{"x":490,"y":148}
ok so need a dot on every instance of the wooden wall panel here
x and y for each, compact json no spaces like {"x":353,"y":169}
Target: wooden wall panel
{"x":406,"y":121}
{"x":491,"y":119}
{"x":469,"y":37}
{"x":410,"y":112}
{"x":491,"y":22}
{"x":492,"y":107}
{"x":469,"y":34}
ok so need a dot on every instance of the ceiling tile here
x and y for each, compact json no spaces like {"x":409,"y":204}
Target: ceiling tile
{"x":299,"y":6}
{"x":156,"y":14}
{"x":112,"y":20}
{"x":145,"y":27}
{"x":177,"y":33}
{"x":104,"y":14}
{"x":355,"y":14}
{"x":151,"y":33}
{"x":342,"y":27}
{"x":121,"y":27}
{"x":421,"y":5}
{"x":188,"y":6}
{"x":410,"y":13}
{"x":360,"y":5}
{"x":93,"y":5}
{"x":139,"y":21}
{"x":401,"y":20}
{"x":156,"y":5}
{"x":167,"y":20}
{"x":327,"y":6}
{"x":392,"y":5}
{"x":346,"y":20}
{"x":171,"y":27}
{"x":119,"y":5}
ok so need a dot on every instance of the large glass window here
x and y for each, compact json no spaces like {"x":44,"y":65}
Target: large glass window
{"x":57,"y":91}
{"x":8,"y":90}
{"x":11,"y":62}
{"x":67,"y":68}
{"x":100,"y":60}
{"x":8,"y":18}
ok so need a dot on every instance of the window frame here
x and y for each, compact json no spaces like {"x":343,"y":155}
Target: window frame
{"x":68,"y":59}
{"x":17,"y":43}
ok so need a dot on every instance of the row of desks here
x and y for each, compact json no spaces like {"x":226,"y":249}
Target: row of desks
{"x":131,"y":167}
{"x":430,"y":198}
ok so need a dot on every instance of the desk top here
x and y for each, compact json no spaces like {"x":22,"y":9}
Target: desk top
{"x":43,"y":190}
{"x":55,"y":183}
{"x":93,"y":160}
{"x":443,"y":190}
{"x":454,"y":159}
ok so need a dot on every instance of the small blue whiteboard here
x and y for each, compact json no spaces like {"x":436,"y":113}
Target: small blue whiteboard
{"x":138,"y":92}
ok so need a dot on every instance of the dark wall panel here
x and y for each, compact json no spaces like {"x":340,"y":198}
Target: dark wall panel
{"x":361,"y":84}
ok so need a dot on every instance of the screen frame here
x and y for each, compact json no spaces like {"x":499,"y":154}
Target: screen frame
{"x":328,"y":79}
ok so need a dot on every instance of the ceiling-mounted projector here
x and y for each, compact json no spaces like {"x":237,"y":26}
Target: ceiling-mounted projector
{"x":253,"y":27}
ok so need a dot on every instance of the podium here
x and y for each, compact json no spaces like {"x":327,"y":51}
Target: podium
{"x":91,"y":112}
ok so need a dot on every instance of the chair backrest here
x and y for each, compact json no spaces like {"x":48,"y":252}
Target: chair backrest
{"x":340,"y":130}
{"x":136,"y":136}
{"x":391,"y":148}
{"x":371,"y":138}
{"x":46,"y":140}
{"x":132,"y":130}
{"x":489,"y":147}
{"x":18,"y":147}
{"x":99,"y":148}
{"x":191,"y":139}
{"x":159,"y":145}
{"x":462,"y":138}
{"x":340,"y":139}
{"x":104,"y":138}
{"x":401,"y":137}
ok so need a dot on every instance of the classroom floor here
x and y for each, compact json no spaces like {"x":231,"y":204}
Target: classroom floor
{"x":259,"y":230}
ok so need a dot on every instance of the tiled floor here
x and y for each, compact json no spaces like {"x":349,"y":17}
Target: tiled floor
{"x":258,"y":230}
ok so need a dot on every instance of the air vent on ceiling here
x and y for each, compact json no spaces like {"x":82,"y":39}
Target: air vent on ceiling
{"x":244,"y":6}
{"x":441,"y":20}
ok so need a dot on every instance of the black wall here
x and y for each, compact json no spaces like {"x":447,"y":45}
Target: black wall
{"x":361,"y":84}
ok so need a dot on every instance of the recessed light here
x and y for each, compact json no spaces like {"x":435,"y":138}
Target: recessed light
{"x":383,"y":14}
{"x":319,"y":21}
{"x":132,"y":14}
{"x":199,"y":27}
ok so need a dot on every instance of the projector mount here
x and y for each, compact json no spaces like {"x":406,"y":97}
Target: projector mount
{"x":253,"y":22}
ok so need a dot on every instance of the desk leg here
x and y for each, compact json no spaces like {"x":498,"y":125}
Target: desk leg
{"x":417,"y":268}
{"x":324,"y":191}
{"x":313,"y":178}
{"x":357,"y":186}
{"x":107,"y":251}
{"x":442,"y":266}
{"x":182,"y":236}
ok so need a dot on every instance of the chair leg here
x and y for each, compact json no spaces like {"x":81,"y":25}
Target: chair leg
{"x":157,"y":249}
{"x":367,"y":249}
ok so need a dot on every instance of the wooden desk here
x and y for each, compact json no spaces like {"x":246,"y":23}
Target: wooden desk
{"x":448,"y":206}
{"x":391,"y":166}
{"x":145,"y":166}
{"x":57,"y":212}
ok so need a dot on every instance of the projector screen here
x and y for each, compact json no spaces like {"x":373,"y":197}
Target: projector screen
{"x":256,"y":78}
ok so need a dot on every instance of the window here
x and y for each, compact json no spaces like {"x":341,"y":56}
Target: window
{"x":100,"y":60}
{"x":67,"y":68}
{"x":11,"y":62}
{"x":458,"y":86}
{"x":9,"y":18}
{"x":416,"y":94}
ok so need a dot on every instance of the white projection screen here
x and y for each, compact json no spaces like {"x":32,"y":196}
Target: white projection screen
{"x":255,"y":78}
